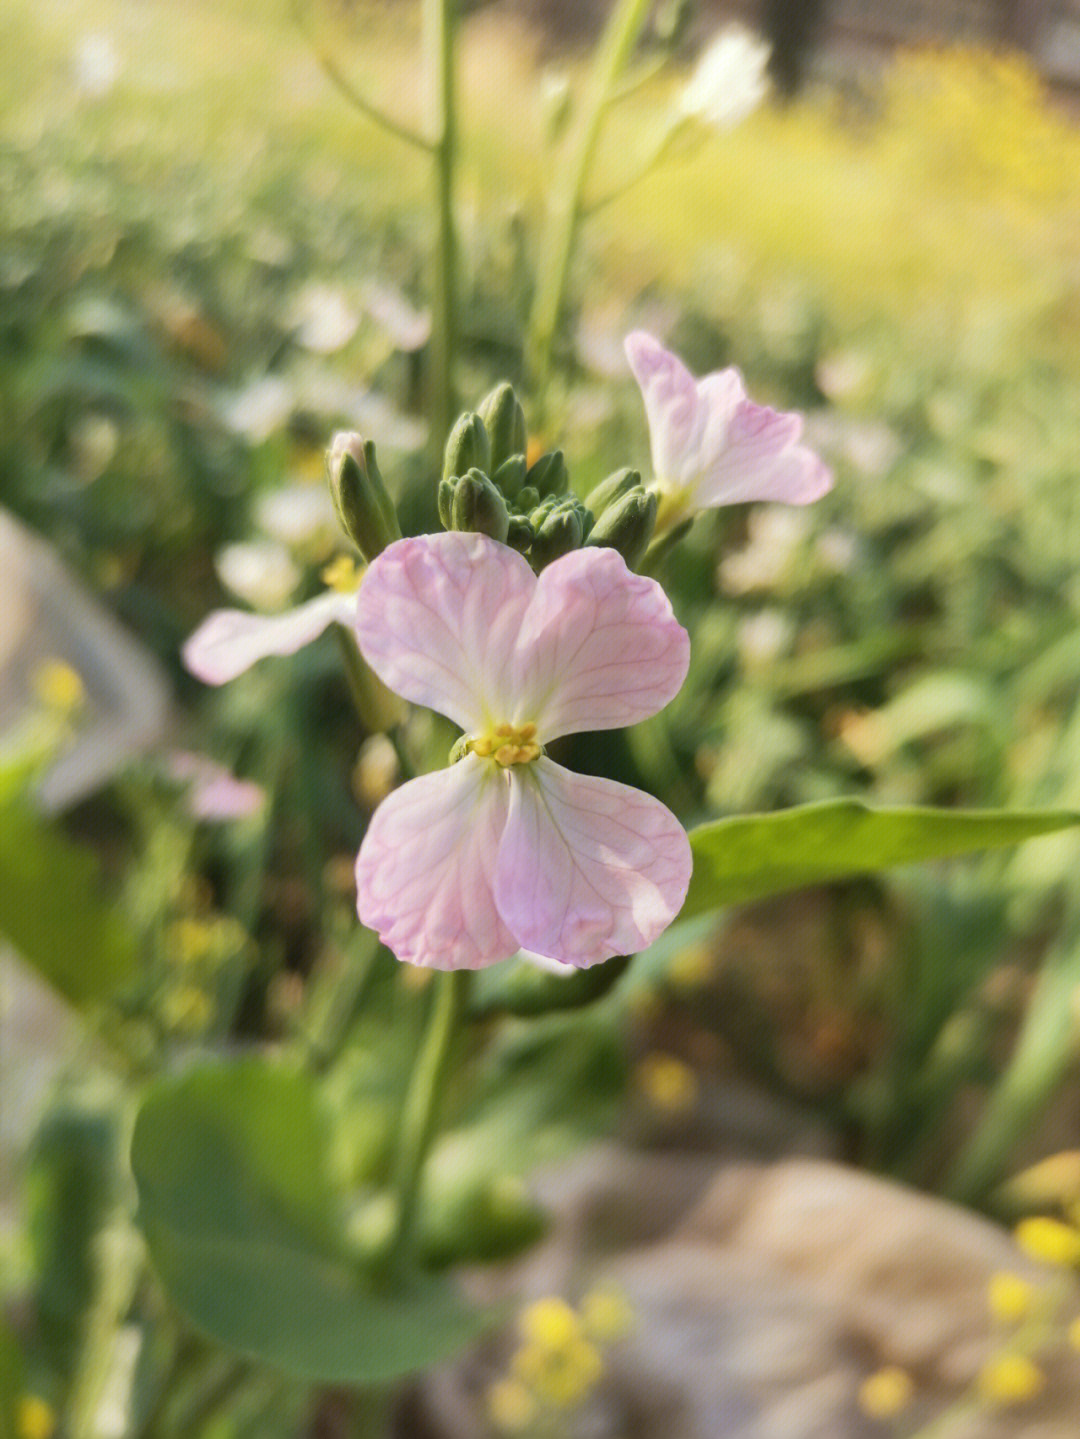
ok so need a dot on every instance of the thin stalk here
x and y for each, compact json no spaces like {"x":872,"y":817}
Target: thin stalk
{"x":565,"y":214}
{"x":440,"y":28}
{"x":421,"y":1112}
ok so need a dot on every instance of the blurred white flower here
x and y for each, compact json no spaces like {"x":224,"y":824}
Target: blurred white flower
{"x":837,"y":550}
{"x":261,"y":572}
{"x":407,"y":326}
{"x":729,"y":81}
{"x":300,"y":515}
{"x":763,"y":637}
{"x":96,"y":65}
{"x":260,"y":409}
{"x":775,"y":537}
{"x":324,"y":319}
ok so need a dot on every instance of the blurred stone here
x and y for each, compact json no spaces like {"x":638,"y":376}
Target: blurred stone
{"x":48,"y":616}
{"x":764,"y":1294}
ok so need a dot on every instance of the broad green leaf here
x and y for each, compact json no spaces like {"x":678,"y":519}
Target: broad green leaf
{"x":244,"y":1217}
{"x":53,"y":911}
{"x":751,"y":856}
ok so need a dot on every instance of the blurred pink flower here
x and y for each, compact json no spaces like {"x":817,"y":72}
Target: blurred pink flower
{"x":228,"y":642}
{"x":711,"y":445}
{"x":505,"y":850}
{"x":214,"y":793}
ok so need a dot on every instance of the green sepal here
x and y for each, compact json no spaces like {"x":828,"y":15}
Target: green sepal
{"x":478,"y":507}
{"x":549,"y":476}
{"x":468,"y":447}
{"x":504,"y":420}
{"x":361,"y":499}
{"x":627,"y":525}
{"x":510,"y":476}
{"x":445,"y":503}
{"x":612,"y":489}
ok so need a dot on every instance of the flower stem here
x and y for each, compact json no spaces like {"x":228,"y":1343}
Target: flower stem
{"x":557,"y":248}
{"x":421,"y":1111}
{"x":440,"y":28}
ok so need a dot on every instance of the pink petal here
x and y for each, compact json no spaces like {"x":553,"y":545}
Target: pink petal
{"x":676,"y":417}
{"x":756,"y":460}
{"x":599,"y":647}
{"x":424,"y":872}
{"x":215,"y":793}
{"x":588,"y":868}
{"x":437,"y":620}
{"x":230,"y":641}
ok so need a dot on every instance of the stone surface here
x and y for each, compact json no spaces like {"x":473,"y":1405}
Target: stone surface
{"x":764,"y":1293}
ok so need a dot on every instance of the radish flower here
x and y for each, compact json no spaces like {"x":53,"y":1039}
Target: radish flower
{"x":711,"y":445}
{"x":506,"y":850}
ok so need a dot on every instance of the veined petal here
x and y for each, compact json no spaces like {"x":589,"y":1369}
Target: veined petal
{"x":672,"y":407}
{"x":437,"y":619}
{"x":757,"y":459}
{"x":588,"y":868}
{"x":230,"y":641}
{"x":425,"y":867}
{"x":599,"y":647}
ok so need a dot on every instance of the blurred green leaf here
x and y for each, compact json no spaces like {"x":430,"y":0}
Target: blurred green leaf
{"x":53,"y":910}
{"x":243,"y":1213}
{"x":752,"y":856}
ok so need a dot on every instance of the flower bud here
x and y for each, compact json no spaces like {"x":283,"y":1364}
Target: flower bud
{"x":479,"y":507}
{"x":611,"y":489}
{"x":446,"y":503}
{"x":468,"y":447}
{"x":363,"y":506}
{"x":558,"y":535}
{"x":510,"y":476}
{"x":527,"y":499}
{"x":519,"y":536}
{"x":627,"y":525}
{"x":504,"y":420}
{"x":549,"y":476}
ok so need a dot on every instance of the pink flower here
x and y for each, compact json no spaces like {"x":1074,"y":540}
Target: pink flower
{"x":214,"y":793}
{"x":228,"y":642}
{"x":711,"y":445}
{"x":505,"y":850}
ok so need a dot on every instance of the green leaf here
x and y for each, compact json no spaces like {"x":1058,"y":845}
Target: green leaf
{"x":751,"y":856}
{"x":52,"y":908}
{"x":11,"y":1381}
{"x":244,"y":1217}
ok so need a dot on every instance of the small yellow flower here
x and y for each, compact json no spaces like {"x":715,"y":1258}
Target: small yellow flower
{"x":549,"y":1323}
{"x":886,"y":1393}
{"x":59,"y":686}
{"x":34,"y":1419}
{"x":1010,"y":1379}
{"x":691,"y":967}
{"x":667,"y":1083}
{"x":341,"y":574}
{"x":606,"y":1314}
{"x":510,"y":1406}
{"x":1049,"y":1240}
{"x":560,"y":1376}
{"x":187,"y":1009}
{"x":1009,"y":1297}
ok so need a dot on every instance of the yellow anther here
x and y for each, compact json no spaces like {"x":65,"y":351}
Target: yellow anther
{"x":507,"y":754}
{"x":510,"y":1405}
{"x":482,"y":747}
{"x":505,"y":731}
{"x":526,"y":731}
{"x":34,"y":1419}
{"x":886,"y":1393}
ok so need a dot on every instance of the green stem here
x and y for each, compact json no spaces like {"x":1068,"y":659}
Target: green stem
{"x":440,"y":24}
{"x":557,"y":247}
{"x":421,"y":1111}
{"x":345,"y":86}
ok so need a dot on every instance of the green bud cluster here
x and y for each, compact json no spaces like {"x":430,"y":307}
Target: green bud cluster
{"x":487,"y":487}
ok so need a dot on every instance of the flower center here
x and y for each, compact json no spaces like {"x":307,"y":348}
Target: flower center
{"x":506,"y":744}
